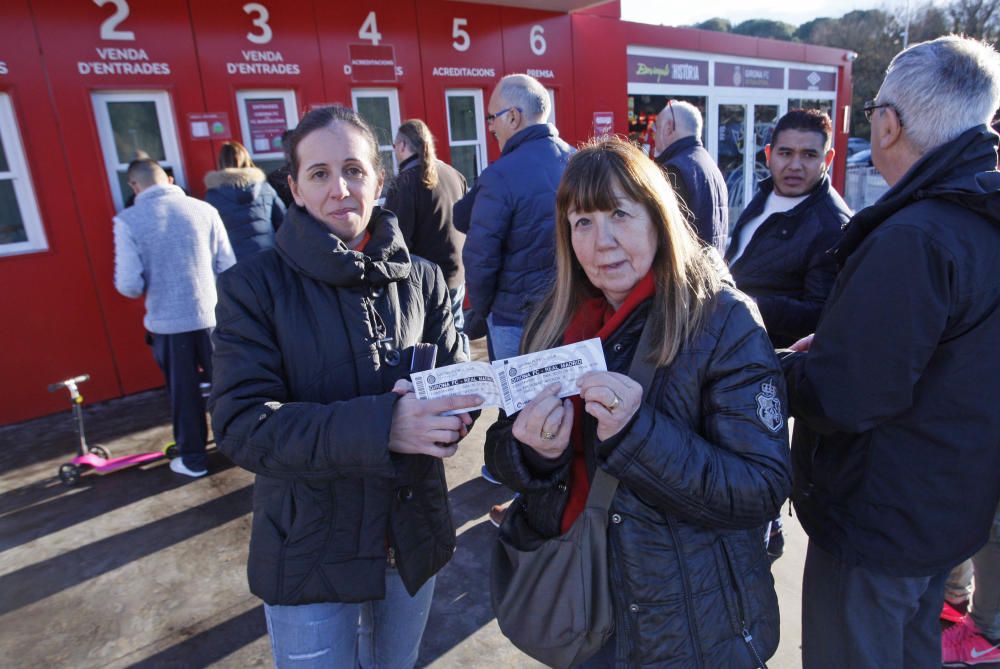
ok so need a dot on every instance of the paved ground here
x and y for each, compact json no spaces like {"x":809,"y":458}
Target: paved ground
{"x":145,"y":568}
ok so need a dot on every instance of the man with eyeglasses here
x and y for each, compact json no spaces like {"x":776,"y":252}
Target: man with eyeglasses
{"x":692,"y":172}
{"x":896,"y":450}
{"x":509,"y":253}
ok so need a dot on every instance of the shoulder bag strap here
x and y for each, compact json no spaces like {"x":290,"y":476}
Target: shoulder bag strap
{"x":602,"y":488}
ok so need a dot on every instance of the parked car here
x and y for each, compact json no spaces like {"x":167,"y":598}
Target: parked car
{"x":863,"y":157}
{"x":855,"y":144}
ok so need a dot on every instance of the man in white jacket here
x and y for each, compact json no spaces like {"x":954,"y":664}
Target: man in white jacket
{"x":170,"y":248}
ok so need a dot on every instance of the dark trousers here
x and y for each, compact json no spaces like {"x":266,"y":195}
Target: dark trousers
{"x":186,"y":361}
{"x":854,"y":618}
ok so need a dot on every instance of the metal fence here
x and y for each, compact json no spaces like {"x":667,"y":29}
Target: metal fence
{"x":863,"y":186}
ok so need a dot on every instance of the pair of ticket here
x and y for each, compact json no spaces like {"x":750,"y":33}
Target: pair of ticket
{"x":513,"y":382}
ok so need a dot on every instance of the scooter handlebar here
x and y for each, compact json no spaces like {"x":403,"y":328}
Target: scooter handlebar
{"x":62,"y":384}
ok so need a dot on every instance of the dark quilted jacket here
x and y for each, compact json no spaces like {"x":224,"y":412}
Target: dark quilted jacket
{"x":786,"y":268}
{"x":701,"y":468}
{"x":509,"y":254}
{"x":310,"y":339}
{"x":700,"y":186}
{"x":248,"y":206}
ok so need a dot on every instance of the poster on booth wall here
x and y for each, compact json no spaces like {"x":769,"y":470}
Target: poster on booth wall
{"x":604,"y":124}
{"x":266,"y":122}
{"x":209,"y":125}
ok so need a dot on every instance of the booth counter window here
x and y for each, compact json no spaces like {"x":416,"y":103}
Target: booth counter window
{"x":20,"y":224}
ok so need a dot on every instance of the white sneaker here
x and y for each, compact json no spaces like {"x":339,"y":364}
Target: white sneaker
{"x":177,"y":466}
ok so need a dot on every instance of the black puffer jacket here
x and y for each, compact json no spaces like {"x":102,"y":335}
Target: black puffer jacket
{"x":786,"y":267}
{"x":425,"y":215}
{"x":699,"y":184}
{"x":310,"y":339}
{"x":897,"y":432}
{"x":701,"y":469}
{"x":249,"y":207}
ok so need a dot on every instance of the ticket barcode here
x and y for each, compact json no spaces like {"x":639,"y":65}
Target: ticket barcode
{"x":508,"y":399}
{"x":420,"y":386}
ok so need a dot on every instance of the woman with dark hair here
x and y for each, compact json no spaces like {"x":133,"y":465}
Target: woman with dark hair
{"x":702,"y":462}
{"x":423,"y":197}
{"x":250,"y":208}
{"x":314,"y":341}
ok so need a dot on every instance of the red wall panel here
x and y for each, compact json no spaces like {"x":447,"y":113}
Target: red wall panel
{"x":541,"y":44}
{"x":476,"y":61}
{"x":70,"y":36}
{"x":268,"y":45}
{"x":51,"y":326}
{"x":393,"y":25}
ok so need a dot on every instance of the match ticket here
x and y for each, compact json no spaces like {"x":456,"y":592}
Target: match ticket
{"x":513,"y":382}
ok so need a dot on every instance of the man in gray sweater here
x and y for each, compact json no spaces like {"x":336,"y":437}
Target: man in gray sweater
{"x":170,"y":248}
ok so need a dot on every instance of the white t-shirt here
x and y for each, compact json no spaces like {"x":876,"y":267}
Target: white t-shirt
{"x":775,"y":204}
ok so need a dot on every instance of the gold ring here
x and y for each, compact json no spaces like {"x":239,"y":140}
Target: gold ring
{"x":548,"y":436}
{"x":615,"y":403}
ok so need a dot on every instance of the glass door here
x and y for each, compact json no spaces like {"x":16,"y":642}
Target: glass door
{"x":20,"y":224}
{"x":731,"y":151}
{"x":136,"y":125}
{"x":466,"y":132}
{"x":380,"y":108}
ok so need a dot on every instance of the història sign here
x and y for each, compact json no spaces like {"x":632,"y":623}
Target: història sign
{"x":659,"y":70}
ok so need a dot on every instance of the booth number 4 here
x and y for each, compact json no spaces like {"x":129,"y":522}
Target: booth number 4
{"x":462,"y":39}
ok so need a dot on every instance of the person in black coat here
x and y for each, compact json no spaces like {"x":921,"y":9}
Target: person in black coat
{"x":693,"y":174}
{"x":897,"y":435}
{"x":313,"y":343}
{"x":250,"y":209}
{"x":702,"y":465}
{"x":423,"y":197}
{"x":779,"y":250}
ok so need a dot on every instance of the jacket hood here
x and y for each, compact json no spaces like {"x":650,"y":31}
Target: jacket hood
{"x":962,"y":171}
{"x":235,"y":177}
{"x":309,"y":247}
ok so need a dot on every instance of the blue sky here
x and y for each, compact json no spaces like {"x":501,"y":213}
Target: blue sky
{"x":676,"y":12}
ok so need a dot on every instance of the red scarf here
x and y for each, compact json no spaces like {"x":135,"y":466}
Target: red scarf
{"x":594,"y":318}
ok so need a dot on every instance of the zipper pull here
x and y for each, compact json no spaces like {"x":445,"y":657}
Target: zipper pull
{"x":391,"y":557}
{"x":746,"y":633}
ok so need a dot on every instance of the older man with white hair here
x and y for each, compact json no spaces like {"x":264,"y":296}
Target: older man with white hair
{"x":692,"y":172}
{"x":897,"y":437}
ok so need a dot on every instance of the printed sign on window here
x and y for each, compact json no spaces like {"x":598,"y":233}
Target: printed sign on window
{"x":604,"y":124}
{"x":209,"y":125}
{"x":266,"y":121}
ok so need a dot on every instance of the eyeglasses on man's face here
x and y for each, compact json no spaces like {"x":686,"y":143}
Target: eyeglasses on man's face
{"x":871,"y":106}
{"x":493,"y":117}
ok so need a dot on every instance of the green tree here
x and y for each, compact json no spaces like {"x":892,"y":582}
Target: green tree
{"x":717,"y":24}
{"x":766,"y":28}
{"x":975,"y":18}
{"x":804,"y":33}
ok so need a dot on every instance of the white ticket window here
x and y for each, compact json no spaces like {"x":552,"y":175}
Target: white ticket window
{"x":379,"y":107}
{"x":133,"y":125}
{"x":552,"y":106}
{"x":467,"y":131}
{"x":20,"y":224}
{"x":265,"y":115}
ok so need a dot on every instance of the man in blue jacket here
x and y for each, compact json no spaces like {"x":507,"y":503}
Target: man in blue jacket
{"x":509,"y":253}
{"x":896,"y":450}
{"x":692,"y":172}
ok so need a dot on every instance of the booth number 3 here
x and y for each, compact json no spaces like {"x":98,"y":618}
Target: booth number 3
{"x":460,"y":36}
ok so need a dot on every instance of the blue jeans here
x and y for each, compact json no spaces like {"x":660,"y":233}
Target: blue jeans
{"x":504,"y":340}
{"x":858,"y":618}
{"x":378,"y":634}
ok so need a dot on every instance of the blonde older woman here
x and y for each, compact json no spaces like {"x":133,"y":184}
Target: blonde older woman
{"x":702,"y":464}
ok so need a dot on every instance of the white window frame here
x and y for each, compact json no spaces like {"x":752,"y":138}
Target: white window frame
{"x":291,"y":117}
{"x":480,"y":141}
{"x":392,"y":95}
{"x":24,"y":191}
{"x":168,"y":135}
{"x":552,"y":106}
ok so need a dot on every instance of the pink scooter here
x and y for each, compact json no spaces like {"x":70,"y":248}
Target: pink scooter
{"x":96,"y":457}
